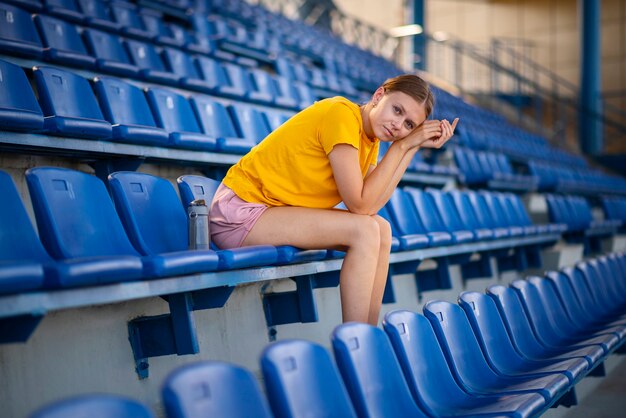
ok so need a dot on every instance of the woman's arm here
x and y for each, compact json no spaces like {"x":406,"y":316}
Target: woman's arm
{"x":367,"y":196}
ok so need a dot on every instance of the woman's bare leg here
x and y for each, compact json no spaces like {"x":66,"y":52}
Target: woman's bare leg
{"x":382,"y":270}
{"x":361,"y":273}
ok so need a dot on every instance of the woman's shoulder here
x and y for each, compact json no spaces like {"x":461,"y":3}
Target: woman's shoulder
{"x":338,"y":106}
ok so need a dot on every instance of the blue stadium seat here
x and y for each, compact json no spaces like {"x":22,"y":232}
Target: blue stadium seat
{"x":77,"y":222}
{"x":241,"y":80}
{"x":275,"y":118}
{"x":405,"y":224}
{"x":22,"y":257}
{"x":523,"y":336}
{"x":95,"y":406}
{"x":402,"y":209}
{"x":125,"y":106}
{"x":495,"y":213}
{"x":548,"y":330}
{"x":128,"y":19}
{"x":18,"y":34}
{"x":151,"y":67}
{"x":173,"y":113}
{"x":372,"y":373}
{"x":69,"y":104}
{"x":450,"y":215}
{"x":554,"y":307}
{"x":64,"y":9}
{"x":19,"y":110}
{"x":215,"y":121}
{"x":484,"y":215}
{"x":467,"y":215}
{"x":429,"y":214}
{"x":288,"y":90}
{"x":213,"y":389}
{"x":143,"y":201}
{"x":266,"y":83}
{"x":586,"y":284}
{"x":62,"y":43}
{"x":469,"y":365}
{"x":197,"y":187}
{"x":249,"y":122}
{"x":500,"y":351}
{"x":153,"y":21}
{"x":180,"y":63}
{"x":575,"y":309}
{"x":302,"y":380}
{"x":431,"y":381}
{"x":218,"y":78}
{"x":96,"y":14}
{"x":111,"y":57}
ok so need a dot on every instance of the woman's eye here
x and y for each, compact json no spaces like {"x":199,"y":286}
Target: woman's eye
{"x":409,"y":125}
{"x":396,"y":109}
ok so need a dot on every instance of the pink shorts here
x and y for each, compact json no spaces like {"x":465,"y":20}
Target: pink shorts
{"x":231,"y":218}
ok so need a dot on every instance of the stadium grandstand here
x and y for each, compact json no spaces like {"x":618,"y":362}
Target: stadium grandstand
{"x":506,"y":289}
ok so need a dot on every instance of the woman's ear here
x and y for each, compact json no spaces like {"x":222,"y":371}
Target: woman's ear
{"x":378,"y":95}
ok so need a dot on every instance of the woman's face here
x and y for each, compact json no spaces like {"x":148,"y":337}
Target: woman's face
{"x":395,"y":115}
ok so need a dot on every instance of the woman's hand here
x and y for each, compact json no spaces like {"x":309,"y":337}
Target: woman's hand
{"x":430,"y":134}
{"x":447,"y":131}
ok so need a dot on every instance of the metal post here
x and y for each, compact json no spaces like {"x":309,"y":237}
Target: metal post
{"x":419,"y":43}
{"x":590,"y":105}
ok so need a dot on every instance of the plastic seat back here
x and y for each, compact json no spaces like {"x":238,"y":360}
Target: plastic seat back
{"x":302,"y":380}
{"x":424,"y":364}
{"x":63,"y":42}
{"x":426,"y":209}
{"x":69,"y":104}
{"x":543,"y":322}
{"x":250,"y":122}
{"x":95,"y":406}
{"x":196,"y":187}
{"x":372,"y":373}
{"x":144,"y":56}
{"x":213,"y":389}
{"x":19,"y":109}
{"x":18,"y":34}
{"x":402,"y":211}
{"x":447,"y":211}
{"x":490,"y":331}
{"x":459,"y":344}
{"x":465,"y":209}
{"x":109,"y":52}
{"x":143,"y":201}
{"x":126,"y":107}
{"x":75,"y":215}
{"x":172,"y":111}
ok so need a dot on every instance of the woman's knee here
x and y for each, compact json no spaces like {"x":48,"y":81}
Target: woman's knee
{"x":384,"y":229}
{"x":366,"y":232}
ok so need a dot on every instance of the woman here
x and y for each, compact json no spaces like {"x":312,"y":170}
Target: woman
{"x":284,"y":190}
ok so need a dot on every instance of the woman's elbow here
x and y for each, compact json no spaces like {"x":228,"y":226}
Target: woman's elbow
{"x":360,"y":209}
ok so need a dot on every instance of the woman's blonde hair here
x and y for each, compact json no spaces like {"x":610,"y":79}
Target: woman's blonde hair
{"x":415,"y":87}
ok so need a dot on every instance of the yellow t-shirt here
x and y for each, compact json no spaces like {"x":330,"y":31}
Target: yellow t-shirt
{"x":290,"y":167}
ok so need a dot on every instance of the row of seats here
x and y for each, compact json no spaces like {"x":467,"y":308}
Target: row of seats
{"x":433,"y":218}
{"x":121,"y":111}
{"x":482,"y":133}
{"x":513,"y":351}
{"x":85,"y":238}
{"x":575,"y":212}
{"x":494,"y":170}
{"x":156,"y":56}
{"x":123,"y":245}
{"x":614,"y":208}
{"x":568,"y":179}
{"x":131,"y":58}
